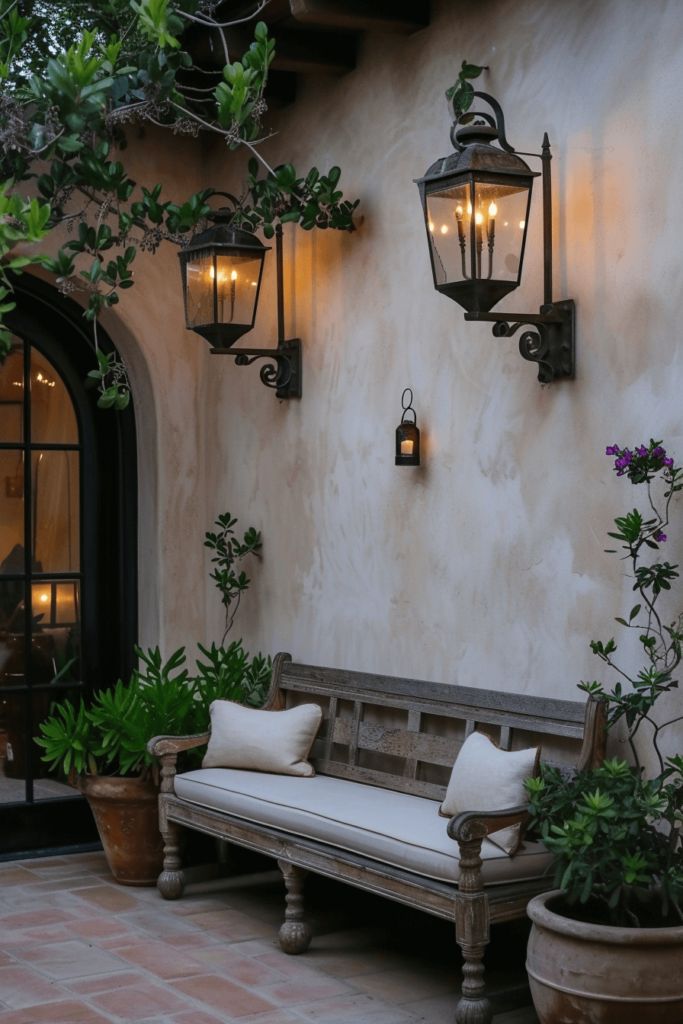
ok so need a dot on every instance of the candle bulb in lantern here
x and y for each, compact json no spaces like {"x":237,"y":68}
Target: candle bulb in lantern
{"x":407,"y":447}
{"x":491,"y":233}
{"x":233,"y":286}
{"x":479,"y":220}
{"x":461,"y":237}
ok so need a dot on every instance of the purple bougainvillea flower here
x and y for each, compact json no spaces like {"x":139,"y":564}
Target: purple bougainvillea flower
{"x":659,"y":536}
{"x":612,"y":449}
{"x":658,"y":452}
{"x":642,"y":451}
{"x":669,"y":463}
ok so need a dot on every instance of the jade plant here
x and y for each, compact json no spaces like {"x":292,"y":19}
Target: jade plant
{"x":616,"y":831}
{"x":75,"y":78}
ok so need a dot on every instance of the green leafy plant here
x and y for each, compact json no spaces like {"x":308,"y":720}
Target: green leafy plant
{"x":74,"y":77}
{"x":617,"y":833}
{"x":461,"y":94}
{"x":228,"y":673}
{"x":108,"y":735}
{"x":229,"y":552}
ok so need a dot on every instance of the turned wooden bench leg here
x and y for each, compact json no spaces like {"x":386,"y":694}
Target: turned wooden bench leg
{"x":472,"y":935}
{"x":171,"y":881}
{"x":295,"y":934}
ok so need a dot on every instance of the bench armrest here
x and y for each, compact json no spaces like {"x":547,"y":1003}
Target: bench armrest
{"x":470,"y":825}
{"x":160,"y":745}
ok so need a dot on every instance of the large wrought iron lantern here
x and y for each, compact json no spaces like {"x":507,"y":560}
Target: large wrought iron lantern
{"x":221,"y":272}
{"x":222,"y":269}
{"x":476,"y":203}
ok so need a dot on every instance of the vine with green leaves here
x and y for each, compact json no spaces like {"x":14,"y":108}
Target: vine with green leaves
{"x":73,"y":81}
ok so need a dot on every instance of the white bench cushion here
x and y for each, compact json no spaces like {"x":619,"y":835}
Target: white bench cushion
{"x":393,"y":828}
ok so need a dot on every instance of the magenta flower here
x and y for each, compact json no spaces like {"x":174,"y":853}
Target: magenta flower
{"x":660,"y":537}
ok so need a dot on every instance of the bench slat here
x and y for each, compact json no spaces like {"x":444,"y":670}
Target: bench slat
{"x":312,"y":678}
{"x":397,"y":742}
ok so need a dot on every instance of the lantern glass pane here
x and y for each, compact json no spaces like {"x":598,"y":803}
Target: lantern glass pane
{"x":495,"y":221}
{"x":500,"y":227}
{"x":237,"y":278}
{"x":199,"y":274}
{"x":447,"y":220}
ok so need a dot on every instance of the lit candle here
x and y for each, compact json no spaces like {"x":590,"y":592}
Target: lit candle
{"x":479,"y":220}
{"x":407,"y":447}
{"x":444,"y":229}
{"x":491,"y":233}
{"x":461,"y":229}
{"x":233,"y":286}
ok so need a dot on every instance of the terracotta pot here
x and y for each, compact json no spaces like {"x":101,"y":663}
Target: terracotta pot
{"x":598,"y":974}
{"x":126,"y":815}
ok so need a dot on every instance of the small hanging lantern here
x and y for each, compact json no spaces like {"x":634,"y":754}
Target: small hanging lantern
{"x":221,"y":270}
{"x":407,"y":434}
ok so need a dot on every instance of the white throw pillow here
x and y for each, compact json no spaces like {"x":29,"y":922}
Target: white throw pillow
{"x":485,"y":778}
{"x":264,"y":741}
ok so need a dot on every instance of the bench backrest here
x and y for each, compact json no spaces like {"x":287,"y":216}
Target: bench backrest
{"x":404,"y":734}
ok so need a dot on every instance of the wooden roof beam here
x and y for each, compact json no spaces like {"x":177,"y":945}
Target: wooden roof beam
{"x":404,"y":16}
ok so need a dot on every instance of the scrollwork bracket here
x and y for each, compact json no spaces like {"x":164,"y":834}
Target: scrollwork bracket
{"x":547,"y":341}
{"x":282,"y":371}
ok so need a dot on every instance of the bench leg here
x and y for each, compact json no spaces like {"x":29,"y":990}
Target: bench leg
{"x":472,"y":935}
{"x":171,"y":881}
{"x":295,"y":935}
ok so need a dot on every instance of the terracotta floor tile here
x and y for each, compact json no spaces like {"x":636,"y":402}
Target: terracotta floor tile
{"x":197,"y":1017}
{"x":245,"y":970}
{"x":34,"y":918}
{"x":11,"y":875}
{"x":406,"y":986}
{"x":355,"y":1009}
{"x":223,"y":995}
{"x":55,"y":1013}
{"x":163,"y":960}
{"x":104,"y":982}
{"x":106,"y":897}
{"x":22,"y":986}
{"x":142,"y":1000}
{"x":296,"y":990}
{"x":72,"y":959}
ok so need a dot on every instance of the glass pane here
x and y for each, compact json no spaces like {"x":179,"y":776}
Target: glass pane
{"x":12,"y":394}
{"x":52,"y":413}
{"x":199,"y":278}
{"x":449,"y":214}
{"x":11,"y":512}
{"x":56,"y":513}
{"x":56,"y":613}
{"x":501,"y":212}
{"x":13,"y":707}
{"x":237,"y":288}
{"x":495,"y":223}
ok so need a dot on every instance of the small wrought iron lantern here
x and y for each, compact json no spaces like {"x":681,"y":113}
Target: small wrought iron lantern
{"x":221,"y":272}
{"x":407,"y":434}
{"x":476,"y":204}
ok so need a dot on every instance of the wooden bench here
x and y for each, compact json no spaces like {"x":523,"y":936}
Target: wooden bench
{"x":400,"y":735}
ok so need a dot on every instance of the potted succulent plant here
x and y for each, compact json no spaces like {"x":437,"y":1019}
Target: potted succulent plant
{"x":607,"y":944}
{"x":101,"y":745}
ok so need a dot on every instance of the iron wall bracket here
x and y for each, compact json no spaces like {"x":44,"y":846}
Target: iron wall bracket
{"x":282,"y":371}
{"x":548,"y":340}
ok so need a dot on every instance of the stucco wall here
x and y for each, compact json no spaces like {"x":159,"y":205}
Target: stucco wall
{"x":485,"y":566}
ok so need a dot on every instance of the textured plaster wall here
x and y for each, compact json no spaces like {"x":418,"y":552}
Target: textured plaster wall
{"x":485,"y":566}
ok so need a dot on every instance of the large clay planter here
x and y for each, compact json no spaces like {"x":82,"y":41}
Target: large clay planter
{"x":597,"y":974}
{"x":125,"y":812}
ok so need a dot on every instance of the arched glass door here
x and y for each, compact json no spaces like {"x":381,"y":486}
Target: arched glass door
{"x":65,"y":563}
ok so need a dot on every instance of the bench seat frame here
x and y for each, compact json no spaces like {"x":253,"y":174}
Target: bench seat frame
{"x":472,"y":905}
